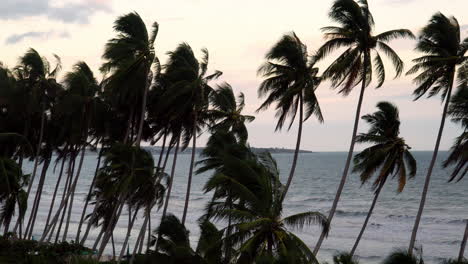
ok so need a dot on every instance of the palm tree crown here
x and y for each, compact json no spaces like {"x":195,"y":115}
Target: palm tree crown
{"x":355,"y":33}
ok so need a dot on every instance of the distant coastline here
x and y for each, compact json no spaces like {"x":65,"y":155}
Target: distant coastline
{"x":157,"y":149}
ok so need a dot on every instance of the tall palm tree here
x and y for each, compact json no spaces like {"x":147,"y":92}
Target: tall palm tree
{"x":190,"y":90}
{"x":128,"y":61}
{"x":388,"y":156}
{"x":290,"y":82}
{"x":356,"y":64}
{"x":227,"y":114}
{"x":444,"y":52}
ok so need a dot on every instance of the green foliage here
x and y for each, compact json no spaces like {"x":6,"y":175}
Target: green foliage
{"x":389,"y":152}
{"x":28,"y":251}
{"x":345,"y":258}
{"x":402,"y":257}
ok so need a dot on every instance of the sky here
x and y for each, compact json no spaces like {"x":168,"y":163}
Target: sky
{"x":238,"y":34}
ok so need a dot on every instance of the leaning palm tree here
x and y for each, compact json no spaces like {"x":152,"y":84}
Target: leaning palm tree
{"x":290,"y":83}
{"x":444,"y":52}
{"x":227,"y":114}
{"x":128,"y":61}
{"x":189,"y":92}
{"x":356,"y":64}
{"x":388,"y":156}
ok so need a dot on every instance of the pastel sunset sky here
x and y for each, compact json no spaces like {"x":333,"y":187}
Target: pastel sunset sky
{"x":237,"y":35}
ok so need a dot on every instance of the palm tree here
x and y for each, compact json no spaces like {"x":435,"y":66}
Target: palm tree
{"x":259,"y":228}
{"x":356,"y":64}
{"x":443,"y":52}
{"x":226,"y":112}
{"x":401,"y":257}
{"x":389,"y":155}
{"x":129,"y":58}
{"x":291,"y":81}
{"x":190,"y":90}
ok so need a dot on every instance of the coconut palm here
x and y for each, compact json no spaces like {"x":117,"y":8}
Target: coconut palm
{"x":401,"y":257}
{"x":290,"y":83}
{"x":388,"y":156}
{"x":38,"y":79}
{"x":128,"y":61}
{"x":227,"y":112}
{"x":189,"y":91}
{"x":444,"y":52}
{"x":356,"y":64}
{"x":259,"y":229}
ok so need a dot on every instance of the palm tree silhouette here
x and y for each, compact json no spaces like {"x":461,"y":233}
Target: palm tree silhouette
{"x":290,"y":82}
{"x":355,"y":65}
{"x":389,"y":155}
{"x":444,"y":52}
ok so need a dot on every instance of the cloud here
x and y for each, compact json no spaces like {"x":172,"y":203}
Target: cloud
{"x":71,"y":12}
{"x":15,"y":38}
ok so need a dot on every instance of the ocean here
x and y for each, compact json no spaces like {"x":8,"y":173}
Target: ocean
{"x":313,"y":189}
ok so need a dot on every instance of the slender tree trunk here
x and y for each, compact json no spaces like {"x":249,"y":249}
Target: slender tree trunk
{"x":298,"y":145}
{"x":371,"y":209}
{"x":88,"y":196}
{"x":429,"y":172}
{"x":96,"y":243}
{"x":55,"y":192}
{"x":131,"y":222}
{"x":83,"y":152}
{"x":62,"y":205}
{"x":192,"y":163}
{"x":171,"y":178}
{"x":148,"y":243}
{"x":113,"y":245}
{"x":139,"y":242}
{"x":38,"y":150}
{"x":161,"y":154}
{"x":347,"y":164}
{"x":463,"y":244}
{"x":37,"y":199}
{"x":65,"y":188}
{"x":110,"y":228}
{"x":64,"y":211}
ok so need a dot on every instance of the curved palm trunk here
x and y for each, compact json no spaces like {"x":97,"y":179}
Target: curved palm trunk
{"x":55,"y":192}
{"x":296,"y":151}
{"x":37,"y":199}
{"x":463,"y":244}
{"x":88,"y":196}
{"x":65,"y":233}
{"x":346,"y":167}
{"x":110,"y":228}
{"x":429,"y":173}
{"x":66,"y":200}
{"x":96,"y":243}
{"x":371,"y":209}
{"x":192,"y":163}
{"x":129,"y":231}
{"x":171,"y":179}
{"x":52,"y":224}
{"x":59,"y":210}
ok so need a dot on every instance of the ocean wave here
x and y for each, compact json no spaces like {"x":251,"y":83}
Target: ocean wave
{"x":350,"y":213}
